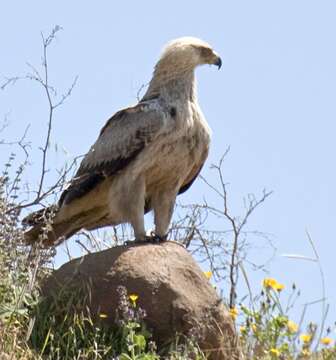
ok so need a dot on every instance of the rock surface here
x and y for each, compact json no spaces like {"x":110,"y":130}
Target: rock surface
{"x":171,"y":288}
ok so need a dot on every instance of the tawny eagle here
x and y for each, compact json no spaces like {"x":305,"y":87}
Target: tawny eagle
{"x":145,"y":155}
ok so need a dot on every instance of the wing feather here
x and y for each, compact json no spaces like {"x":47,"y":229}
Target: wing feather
{"x":121,"y":140}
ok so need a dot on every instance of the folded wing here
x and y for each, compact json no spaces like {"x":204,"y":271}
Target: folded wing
{"x":121,"y":140}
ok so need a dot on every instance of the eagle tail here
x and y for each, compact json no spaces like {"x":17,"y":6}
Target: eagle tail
{"x":43,"y":229}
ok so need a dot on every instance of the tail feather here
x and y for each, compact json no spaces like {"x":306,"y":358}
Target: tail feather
{"x":42,"y":228}
{"x":50,"y":226}
{"x":40,"y":216}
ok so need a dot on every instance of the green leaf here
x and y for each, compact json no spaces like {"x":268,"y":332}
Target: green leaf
{"x":125,"y":357}
{"x":140,"y":342}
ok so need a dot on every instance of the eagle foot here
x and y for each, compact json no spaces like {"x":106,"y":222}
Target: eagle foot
{"x":149,"y":239}
{"x":156,"y":239}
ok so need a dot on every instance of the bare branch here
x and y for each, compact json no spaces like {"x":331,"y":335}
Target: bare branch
{"x":67,"y":94}
{"x":236,"y":229}
{"x":42,"y":78}
{"x":10,"y":81}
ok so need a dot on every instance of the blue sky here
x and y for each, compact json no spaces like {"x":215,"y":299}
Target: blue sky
{"x":273,"y":102}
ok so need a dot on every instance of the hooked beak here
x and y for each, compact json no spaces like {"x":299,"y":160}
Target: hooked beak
{"x":218,"y":62}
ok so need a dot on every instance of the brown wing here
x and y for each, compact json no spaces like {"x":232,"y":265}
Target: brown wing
{"x":121,"y":140}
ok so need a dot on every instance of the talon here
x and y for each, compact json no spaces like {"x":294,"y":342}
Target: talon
{"x":152,"y":239}
{"x":156,"y":239}
{"x":134,"y":242}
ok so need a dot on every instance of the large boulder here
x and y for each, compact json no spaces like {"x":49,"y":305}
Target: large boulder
{"x":171,"y":287}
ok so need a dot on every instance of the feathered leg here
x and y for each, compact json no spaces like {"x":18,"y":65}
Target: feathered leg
{"x":135,"y":208}
{"x":163,"y":205}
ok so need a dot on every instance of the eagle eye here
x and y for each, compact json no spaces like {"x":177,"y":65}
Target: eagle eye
{"x":205,"y":52}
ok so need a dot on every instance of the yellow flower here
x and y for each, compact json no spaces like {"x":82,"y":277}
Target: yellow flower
{"x":102,"y":316}
{"x":326,"y":341}
{"x":279,"y":287}
{"x":208,"y":274}
{"x":305,"y":338}
{"x":275,"y":352}
{"x":134,"y":298}
{"x":254,"y":328}
{"x":234,"y":313}
{"x":292,"y":327}
{"x":242,"y":329}
{"x":270,"y":283}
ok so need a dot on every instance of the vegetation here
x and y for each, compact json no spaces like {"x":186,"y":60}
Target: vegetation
{"x":267,"y":332}
{"x":31,"y":328}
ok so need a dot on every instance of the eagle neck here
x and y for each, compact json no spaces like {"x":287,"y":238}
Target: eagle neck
{"x":173,"y":85}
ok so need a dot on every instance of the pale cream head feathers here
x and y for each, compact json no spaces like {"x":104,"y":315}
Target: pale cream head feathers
{"x":186,"y":53}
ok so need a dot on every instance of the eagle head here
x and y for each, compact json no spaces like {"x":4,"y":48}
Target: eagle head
{"x":186,"y":53}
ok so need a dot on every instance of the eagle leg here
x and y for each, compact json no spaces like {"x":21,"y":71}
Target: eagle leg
{"x":163,"y":206}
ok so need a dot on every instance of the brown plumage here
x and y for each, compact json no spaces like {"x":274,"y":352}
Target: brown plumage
{"x":144,"y":157}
